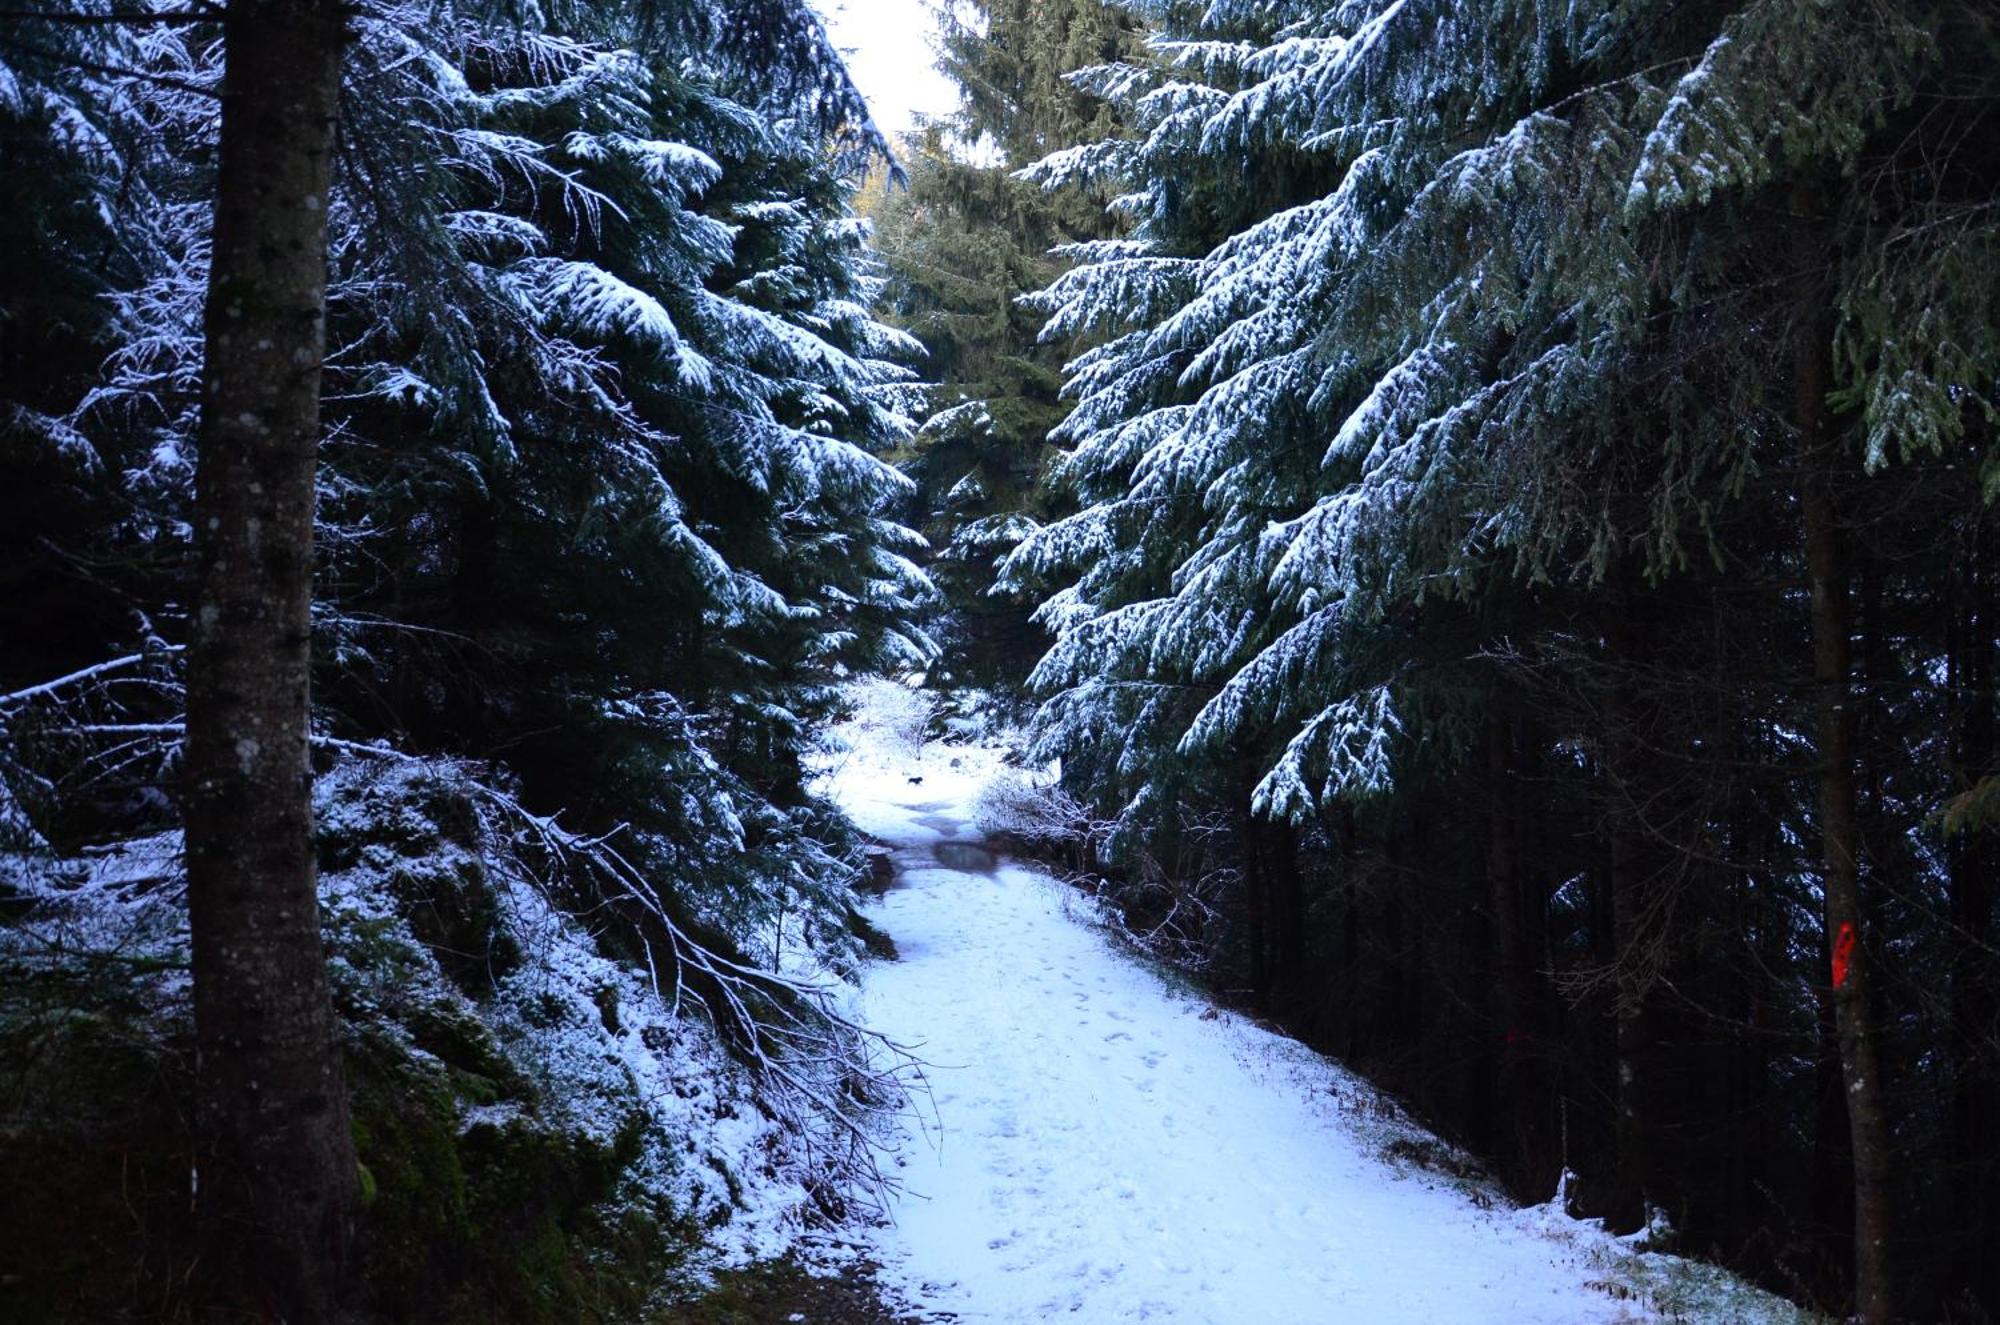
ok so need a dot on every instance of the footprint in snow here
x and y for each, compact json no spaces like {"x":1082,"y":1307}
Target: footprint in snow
{"x":1116,"y":1036}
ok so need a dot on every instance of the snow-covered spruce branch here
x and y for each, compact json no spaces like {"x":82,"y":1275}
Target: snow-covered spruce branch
{"x":816,"y":1065}
{"x":84,"y":729}
{"x":833,"y":1082}
{"x":51,"y":689}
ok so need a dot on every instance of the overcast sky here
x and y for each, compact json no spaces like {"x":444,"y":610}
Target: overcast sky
{"x":889,"y":50}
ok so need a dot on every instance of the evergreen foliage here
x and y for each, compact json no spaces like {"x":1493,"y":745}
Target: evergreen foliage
{"x":1432,"y":478}
{"x":602,"y":485}
{"x":604,"y":519}
{"x":961,"y":244}
{"x":1501,"y":491}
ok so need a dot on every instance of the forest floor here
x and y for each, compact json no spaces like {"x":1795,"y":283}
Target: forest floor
{"x":784,"y":1292}
{"x":1104,"y":1144}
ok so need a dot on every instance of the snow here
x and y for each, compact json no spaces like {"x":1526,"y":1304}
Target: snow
{"x":603,"y":1044}
{"x":1101,"y":1145}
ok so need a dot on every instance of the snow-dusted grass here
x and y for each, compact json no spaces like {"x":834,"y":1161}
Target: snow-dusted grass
{"x":1103,"y":1147}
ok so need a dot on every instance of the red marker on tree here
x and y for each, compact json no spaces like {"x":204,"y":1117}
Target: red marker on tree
{"x":1843,"y":953}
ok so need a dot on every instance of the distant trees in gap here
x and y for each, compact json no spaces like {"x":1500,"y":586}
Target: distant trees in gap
{"x":962,"y":241}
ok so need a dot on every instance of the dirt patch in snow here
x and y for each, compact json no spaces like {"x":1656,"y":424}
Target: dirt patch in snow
{"x":971,"y":857}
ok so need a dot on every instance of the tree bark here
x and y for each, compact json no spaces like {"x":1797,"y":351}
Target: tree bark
{"x":1256,"y":890}
{"x":1976,"y":1097}
{"x":1637,"y":1161}
{"x":1636,"y":945}
{"x":1519,"y":1096}
{"x":1275,"y":857}
{"x":1340,"y":830}
{"x":1852,"y":981}
{"x":278,"y":1180}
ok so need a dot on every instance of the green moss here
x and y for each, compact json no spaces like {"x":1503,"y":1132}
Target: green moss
{"x":95,"y":1148}
{"x":535,"y":1193}
{"x":451,"y":908}
{"x":415,"y":1236}
{"x":476,"y":1089}
{"x":606,"y":999}
{"x":461,"y":1226}
{"x":457,"y":1038}
{"x":510,"y":1221}
{"x":422,"y":835}
{"x":376,"y":945}
{"x":496,"y":1221}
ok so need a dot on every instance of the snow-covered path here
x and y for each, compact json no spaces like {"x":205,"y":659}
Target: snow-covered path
{"x":1108,"y":1149}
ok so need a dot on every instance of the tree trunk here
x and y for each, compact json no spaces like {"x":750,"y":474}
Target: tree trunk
{"x":1341,"y":831}
{"x":1274,"y":855}
{"x":1766,"y":929}
{"x":1256,"y":922}
{"x":1637,"y":1162}
{"x":1256,"y":890}
{"x":1518,"y":1093}
{"x":1833,"y":1143}
{"x":1976,"y":1098}
{"x":1636,"y":947}
{"x":1839,"y":819}
{"x":277,"y":1172}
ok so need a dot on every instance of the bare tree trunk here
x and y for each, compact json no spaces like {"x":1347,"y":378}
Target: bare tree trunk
{"x":1636,"y":947}
{"x":1341,"y":830}
{"x":1766,"y":931}
{"x":277,"y":1172}
{"x":1637,"y":1161}
{"x":1976,"y":1098}
{"x":1275,"y":856}
{"x":1519,"y":1094}
{"x":1839,"y":819}
{"x":1833,"y":1143}
{"x":1256,"y":891}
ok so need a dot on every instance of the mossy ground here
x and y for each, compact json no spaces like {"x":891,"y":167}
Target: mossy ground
{"x":478,"y":1209}
{"x":780,"y":1291}
{"x":462,"y":1225}
{"x":95,"y":1148}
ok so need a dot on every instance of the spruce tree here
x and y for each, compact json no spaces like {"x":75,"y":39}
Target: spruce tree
{"x":598,"y":505}
{"x":962,"y":242}
{"x":1423,"y":390}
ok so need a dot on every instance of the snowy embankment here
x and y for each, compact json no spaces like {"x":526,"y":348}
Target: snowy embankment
{"x":1102,"y":1146}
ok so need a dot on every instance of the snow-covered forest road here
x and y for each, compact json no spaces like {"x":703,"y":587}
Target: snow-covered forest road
{"x":1108,"y":1148}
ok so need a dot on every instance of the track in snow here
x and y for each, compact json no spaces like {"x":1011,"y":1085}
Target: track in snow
{"x":1107,"y":1149}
